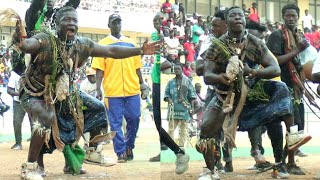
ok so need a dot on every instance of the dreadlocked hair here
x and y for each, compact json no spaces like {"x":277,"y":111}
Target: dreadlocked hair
{"x":255,"y":26}
{"x":221,"y":14}
{"x":290,"y":6}
{"x":59,"y":14}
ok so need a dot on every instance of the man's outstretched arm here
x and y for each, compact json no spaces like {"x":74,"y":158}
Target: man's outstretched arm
{"x":30,"y":45}
{"x":120,"y":52}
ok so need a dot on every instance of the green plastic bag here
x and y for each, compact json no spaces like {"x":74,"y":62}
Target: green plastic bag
{"x":41,"y":18}
{"x":74,"y":158}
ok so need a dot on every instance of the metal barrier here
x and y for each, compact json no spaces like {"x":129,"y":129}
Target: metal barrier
{"x":310,"y":118}
{"x":146,"y":70}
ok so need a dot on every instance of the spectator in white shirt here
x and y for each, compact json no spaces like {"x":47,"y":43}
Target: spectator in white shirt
{"x":173,"y":44}
{"x":89,"y":84}
{"x":204,"y":36}
{"x":18,"y":111}
{"x":175,"y":7}
{"x":194,"y":18}
{"x":180,"y":28}
{"x":307,"y":20}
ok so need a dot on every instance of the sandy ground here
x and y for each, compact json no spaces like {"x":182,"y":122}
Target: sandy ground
{"x":147,"y":145}
{"x":309,"y":164}
{"x":140,"y":167}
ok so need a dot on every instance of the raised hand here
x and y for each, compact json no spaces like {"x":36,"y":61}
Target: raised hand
{"x":151,"y":48}
{"x":302,"y":45}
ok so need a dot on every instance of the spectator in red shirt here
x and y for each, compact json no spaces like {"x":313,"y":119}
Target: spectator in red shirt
{"x":189,"y":48}
{"x":187,"y":69}
{"x":167,"y":6}
{"x":163,"y":14}
{"x":308,"y":35}
{"x":254,"y":16}
{"x":168,"y":23}
{"x":316,"y":38}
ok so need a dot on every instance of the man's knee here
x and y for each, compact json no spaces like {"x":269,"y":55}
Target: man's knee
{"x":210,"y":125}
{"x":135,"y":116}
{"x":45,"y":117}
{"x":42,"y":122}
{"x":99,"y":106}
{"x":91,"y":103}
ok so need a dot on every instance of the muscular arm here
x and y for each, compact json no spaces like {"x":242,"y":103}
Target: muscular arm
{"x":138,"y":71}
{"x":301,"y":46}
{"x":282,"y":59}
{"x":30,"y":45}
{"x":116,"y":52}
{"x":12,"y":92}
{"x":165,"y":65}
{"x":99,"y":77}
{"x":200,"y":67}
{"x":271,"y":68}
{"x":210,"y":78}
{"x":211,"y":69}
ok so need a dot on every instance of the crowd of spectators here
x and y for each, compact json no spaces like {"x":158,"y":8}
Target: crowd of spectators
{"x":148,"y":62}
{"x":182,"y":35}
{"x":5,"y":66}
{"x":117,"y":6}
{"x":25,"y":0}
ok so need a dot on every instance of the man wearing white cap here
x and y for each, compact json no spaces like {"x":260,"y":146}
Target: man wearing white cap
{"x":89,"y":84}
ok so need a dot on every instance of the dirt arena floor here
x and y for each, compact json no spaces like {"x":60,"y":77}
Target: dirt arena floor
{"x":309,"y":164}
{"x":139,"y":168}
